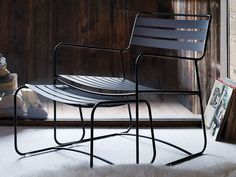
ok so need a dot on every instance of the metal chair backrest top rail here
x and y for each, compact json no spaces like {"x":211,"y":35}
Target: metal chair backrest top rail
{"x":171,"y":31}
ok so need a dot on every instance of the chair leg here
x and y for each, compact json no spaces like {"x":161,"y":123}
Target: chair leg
{"x":201,"y":109}
{"x":203,"y":124}
{"x":130,"y":120}
{"x":47,"y":149}
{"x":203,"y":127}
{"x":92,"y":138}
{"x":55,"y":126}
{"x":15,"y":121}
{"x":82,"y":123}
{"x":137,"y":131}
{"x":152,"y":131}
{"x":92,"y":134}
{"x":16,"y":129}
{"x":55,"y":122}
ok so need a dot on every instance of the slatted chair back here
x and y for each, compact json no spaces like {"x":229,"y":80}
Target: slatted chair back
{"x":179,"y":32}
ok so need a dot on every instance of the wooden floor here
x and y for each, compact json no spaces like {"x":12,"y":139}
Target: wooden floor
{"x":165,"y":111}
{"x":164,"y":108}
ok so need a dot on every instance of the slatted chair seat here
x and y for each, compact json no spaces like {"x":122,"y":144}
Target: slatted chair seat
{"x":67,"y":95}
{"x":105,"y":83}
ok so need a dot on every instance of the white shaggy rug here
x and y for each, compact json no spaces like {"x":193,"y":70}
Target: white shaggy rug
{"x":226,"y":170}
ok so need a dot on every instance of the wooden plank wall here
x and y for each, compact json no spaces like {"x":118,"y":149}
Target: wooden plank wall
{"x":232,"y":39}
{"x":209,"y":66}
{"x":29,"y":29}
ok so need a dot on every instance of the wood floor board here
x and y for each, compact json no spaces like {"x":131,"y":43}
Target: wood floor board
{"x":166,"y":113}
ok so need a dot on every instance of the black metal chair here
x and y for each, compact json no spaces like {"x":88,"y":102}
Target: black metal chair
{"x":174,"y":32}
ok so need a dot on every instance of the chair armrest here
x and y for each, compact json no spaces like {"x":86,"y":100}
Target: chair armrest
{"x":73,"y":45}
{"x":80,"y":46}
{"x":142,"y":55}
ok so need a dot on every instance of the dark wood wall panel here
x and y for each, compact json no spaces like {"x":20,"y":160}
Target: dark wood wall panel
{"x":29,"y":29}
{"x":208,"y":66}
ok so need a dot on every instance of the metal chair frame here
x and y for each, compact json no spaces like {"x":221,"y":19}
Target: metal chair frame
{"x":142,"y":35}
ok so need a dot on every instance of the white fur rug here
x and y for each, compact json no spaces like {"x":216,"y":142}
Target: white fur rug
{"x":226,"y":170}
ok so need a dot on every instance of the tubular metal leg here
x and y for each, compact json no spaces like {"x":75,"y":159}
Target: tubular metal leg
{"x":16,"y":127}
{"x":130,"y":120}
{"x":155,"y":139}
{"x":201,"y":109}
{"x":92,"y":135}
{"x":152,"y":131}
{"x":203,"y":125}
{"x":43,"y":150}
{"x":92,"y":138}
{"x":137,"y":131}
{"x":55,"y":127}
{"x":15,"y":121}
{"x":82,"y":123}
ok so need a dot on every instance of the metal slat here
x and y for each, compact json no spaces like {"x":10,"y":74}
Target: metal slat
{"x":77,"y":94}
{"x":71,"y":93}
{"x":59,"y":95}
{"x":63,"y":95}
{"x":103,"y":82}
{"x":55,"y":91}
{"x":172,"y":23}
{"x":167,"y":44}
{"x":100,"y":82}
{"x":51,"y":96}
{"x":108,"y":83}
{"x":170,"y":33}
{"x":119,"y":83}
{"x":79,"y":80}
{"x":127,"y":83}
{"x":86,"y":80}
{"x":90,"y":81}
{"x":111,"y":84}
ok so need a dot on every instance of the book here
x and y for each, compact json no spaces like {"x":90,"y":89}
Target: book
{"x":217,"y":106}
{"x":227,"y":131}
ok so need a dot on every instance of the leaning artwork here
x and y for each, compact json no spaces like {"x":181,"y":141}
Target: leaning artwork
{"x":217,"y":106}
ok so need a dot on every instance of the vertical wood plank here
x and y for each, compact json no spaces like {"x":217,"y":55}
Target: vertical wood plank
{"x":209,"y":67}
{"x":232,"y":40}
{"x":19,"y":52}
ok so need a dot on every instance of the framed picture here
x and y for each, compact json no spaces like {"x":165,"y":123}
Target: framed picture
{"x":217,"y":105}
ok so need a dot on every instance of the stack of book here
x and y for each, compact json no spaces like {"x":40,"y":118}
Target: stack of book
{"x":28,"y":103}
{"x":8,"y":83}
{"x":220,"y":112}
